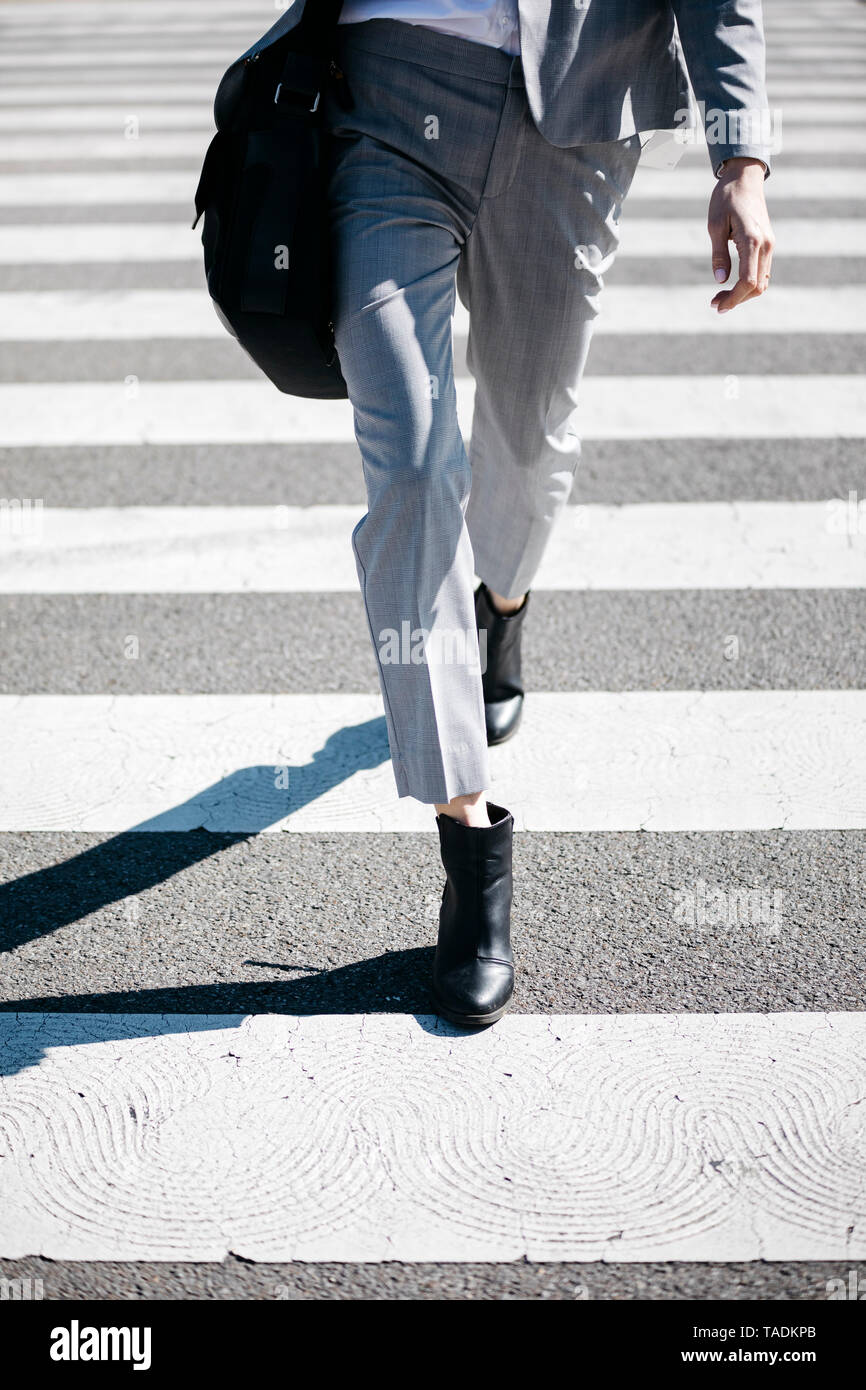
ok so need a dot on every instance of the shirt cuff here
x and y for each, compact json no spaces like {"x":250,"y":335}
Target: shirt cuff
{"x":719,"y":163}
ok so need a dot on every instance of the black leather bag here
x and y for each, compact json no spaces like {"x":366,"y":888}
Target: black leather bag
{"x":262,"y":191}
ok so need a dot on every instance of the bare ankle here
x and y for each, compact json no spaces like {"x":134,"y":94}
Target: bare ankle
{"x":469,"y":810}
{"x":506,"y":606}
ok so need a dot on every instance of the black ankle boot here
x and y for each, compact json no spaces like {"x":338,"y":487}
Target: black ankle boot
{"x":501,"y":682}
{"x":473,"y":970}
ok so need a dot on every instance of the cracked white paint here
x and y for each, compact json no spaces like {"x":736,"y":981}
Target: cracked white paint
{"x":680,"y":760}
{"x":632,"y":1137}
{"x":40,"y":414}
{"x":680,"y":545}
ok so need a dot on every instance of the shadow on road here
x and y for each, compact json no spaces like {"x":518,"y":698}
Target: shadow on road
{"x":245,"y":803}
{"x":396,"y":982}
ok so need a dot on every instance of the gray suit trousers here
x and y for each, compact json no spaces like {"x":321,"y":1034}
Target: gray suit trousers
{"x":440,"y":183}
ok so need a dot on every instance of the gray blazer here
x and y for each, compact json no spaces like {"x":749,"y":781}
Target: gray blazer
{"x":605,"y":69}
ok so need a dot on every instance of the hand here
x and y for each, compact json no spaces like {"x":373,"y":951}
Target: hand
{"x":738,"y":213}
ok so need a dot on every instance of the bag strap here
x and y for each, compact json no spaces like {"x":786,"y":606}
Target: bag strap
{"x":299,"y":88}
{"x":318,"y":21}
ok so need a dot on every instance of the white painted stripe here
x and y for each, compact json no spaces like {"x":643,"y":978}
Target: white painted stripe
{"x":831,"y":42}
{"x":82,"y":190}
{"x":151,"y":92}
{"x":842,"y":36}
{"x":92,"y":242}
{"x":144,"y":144}
{"x":55,"y":315}
{"x":161,"y":144}
{"x":821,"y":138}
{"x":201,"y":55}
{"x":811,"y":183}
{"x":693,"y":545}
{"x":398,"y":1137}
{"x":28,"y":36}
{"x":127,"y":56}
{"x":665,"y":761}
{"x":840,"y":99}
{"x":80,"y":242}
{"x":807,"y":88}
{"x":169,"y":186}
{"x":64,"y":315}
{"x":181,"y":116}
{"x":689,"y":237}
{"x":86,"y":65}
{"x":251,"y":412}
{"x":151,"y":11}
{"x":818,"y":67}
{"x":663,"y":309}
{"x":149,"y":143}
{"x":109,"y":314}
{"x":176,"y":111}
{"x":838,"y":20}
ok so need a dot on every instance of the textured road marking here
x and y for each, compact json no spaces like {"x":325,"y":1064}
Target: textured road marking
{"x":65,"y":315}
{"x":178,"y":186}
{"x":682,"y":760}
{"x":681,"y":545}
{"x":394,"y":1137}
{"x":253,"y":412}
{"x":89,"y":242}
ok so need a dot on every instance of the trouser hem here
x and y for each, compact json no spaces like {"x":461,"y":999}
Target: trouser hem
{"x":440,"y":788}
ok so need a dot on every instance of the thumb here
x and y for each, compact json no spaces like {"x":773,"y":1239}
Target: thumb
{"x":721,"y":253}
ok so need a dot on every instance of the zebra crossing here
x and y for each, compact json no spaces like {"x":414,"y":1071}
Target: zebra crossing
{"x":218,"y":1042}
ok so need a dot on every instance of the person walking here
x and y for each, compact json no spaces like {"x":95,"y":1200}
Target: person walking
{"x":485,"y":148}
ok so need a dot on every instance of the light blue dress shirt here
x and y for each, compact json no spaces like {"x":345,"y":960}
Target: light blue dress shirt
{"x":492,"y":22}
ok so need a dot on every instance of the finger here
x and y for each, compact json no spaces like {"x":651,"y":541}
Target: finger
{"x":772,"y":240}
{"x":769,"y":246}
{"x":721,"y":255}
{"x":748,"y":251}
{"x":739,"y":294}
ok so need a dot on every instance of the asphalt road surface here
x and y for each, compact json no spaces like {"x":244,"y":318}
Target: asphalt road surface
{"x":225,"y":1081}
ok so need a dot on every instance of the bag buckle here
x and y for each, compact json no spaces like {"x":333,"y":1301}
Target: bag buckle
{"x":300,"y":96}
